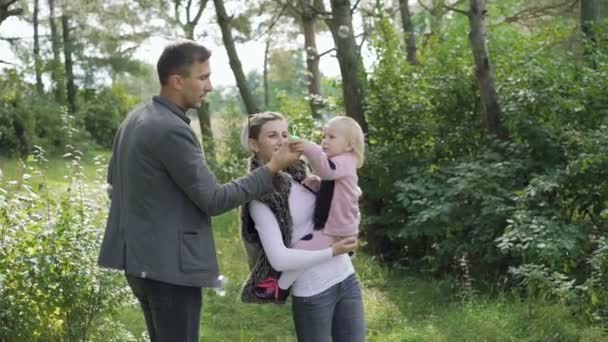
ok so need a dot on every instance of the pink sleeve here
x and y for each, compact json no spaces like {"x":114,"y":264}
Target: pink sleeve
{"x":330,"y":169}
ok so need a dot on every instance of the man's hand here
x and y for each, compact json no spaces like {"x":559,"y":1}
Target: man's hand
{"x":345,"y":245}
{"x":283,"y":158}
{"x":313,"y":182}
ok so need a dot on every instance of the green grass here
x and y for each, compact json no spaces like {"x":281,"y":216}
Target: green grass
{"x":398,"y":307}
{"x":55,"y":170}
{"x":399,"y":304}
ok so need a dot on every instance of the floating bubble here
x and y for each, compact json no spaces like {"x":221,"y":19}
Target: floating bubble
{"x":220,"y":285}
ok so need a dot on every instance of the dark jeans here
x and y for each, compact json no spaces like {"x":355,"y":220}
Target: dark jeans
{"x":334,"y":314}
{"x":172,"y":312}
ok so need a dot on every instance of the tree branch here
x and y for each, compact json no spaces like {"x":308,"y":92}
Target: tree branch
{"x":197,"y":17}
{"x":365,"y":35}
{"x":457,"y":10}
{"x":428,"y":9}
{"x":188,"y":6}
{"x":537,"y":11}
{"x":291,"y":6}
{"x":6,"y":3}
{"x":334,"y":49}
{"x":273,"y":22}
{"x":352,"y":10}
{"x":5,"y":62}
{"x":13,"y":40}
{"x":319,"y":10}
{"x":176,"y":12}
{"x":325,"y":53}
{"x":12,"y":12}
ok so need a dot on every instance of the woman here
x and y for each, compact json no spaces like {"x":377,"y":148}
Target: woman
{"x":327,"y":302}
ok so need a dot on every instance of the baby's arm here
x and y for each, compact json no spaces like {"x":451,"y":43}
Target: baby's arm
{"x":329,"y":169}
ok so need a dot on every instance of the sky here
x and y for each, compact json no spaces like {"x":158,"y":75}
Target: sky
{"x":251,"y":53}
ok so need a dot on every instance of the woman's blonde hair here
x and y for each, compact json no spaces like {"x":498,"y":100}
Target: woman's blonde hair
{"x":352,"y":133}
{"x":253,"y":126}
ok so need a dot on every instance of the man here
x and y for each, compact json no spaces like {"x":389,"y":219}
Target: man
{"x":163,"y":196}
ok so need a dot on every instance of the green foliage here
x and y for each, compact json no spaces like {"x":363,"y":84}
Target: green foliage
{"x":231,"y":161}
{"x":50,"y":285}
{"x":104,"y":111}
{"x":301,"y":122}
{"x":26,"y":118}
{"x":529,"y":212}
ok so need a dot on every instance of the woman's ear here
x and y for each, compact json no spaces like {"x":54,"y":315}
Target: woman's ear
{"x":253,"y":145}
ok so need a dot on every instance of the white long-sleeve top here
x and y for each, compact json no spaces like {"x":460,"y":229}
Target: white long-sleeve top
{"x":321,"y":270}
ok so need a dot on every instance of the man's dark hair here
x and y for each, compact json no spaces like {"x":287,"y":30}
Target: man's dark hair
{"x":178,"y":57}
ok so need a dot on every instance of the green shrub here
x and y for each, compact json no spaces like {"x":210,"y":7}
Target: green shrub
{"x":104,"y":112}
{"x":50,"y":285}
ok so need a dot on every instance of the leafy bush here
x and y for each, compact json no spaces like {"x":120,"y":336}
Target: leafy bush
{"x":27,"y":119}
{"x":438,"y":191}
{"x":231,"y":156}
{"x":50,"y":285}
{"x":104,"y":112}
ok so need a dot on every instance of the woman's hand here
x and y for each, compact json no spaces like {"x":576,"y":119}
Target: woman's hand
{"x":345,"y":245}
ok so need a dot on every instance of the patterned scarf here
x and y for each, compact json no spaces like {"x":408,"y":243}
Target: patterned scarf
{"x":278,"y":202}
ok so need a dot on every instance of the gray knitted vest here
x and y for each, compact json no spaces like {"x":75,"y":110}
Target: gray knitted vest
{"x":278,"y":202}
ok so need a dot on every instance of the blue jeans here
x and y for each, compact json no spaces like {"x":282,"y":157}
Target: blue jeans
{"x":334,"y":314}
{"x":172,"y":312}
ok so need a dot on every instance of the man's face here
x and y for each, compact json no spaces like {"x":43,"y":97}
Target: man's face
{"x":196,"y":86}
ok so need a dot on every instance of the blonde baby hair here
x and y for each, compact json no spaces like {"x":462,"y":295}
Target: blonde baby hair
{"x":352,"y":133}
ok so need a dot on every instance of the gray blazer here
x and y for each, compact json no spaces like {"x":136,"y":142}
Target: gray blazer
{"x":163,"y":197}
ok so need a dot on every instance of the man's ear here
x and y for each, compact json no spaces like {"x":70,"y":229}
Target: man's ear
{"x":176,"y":82}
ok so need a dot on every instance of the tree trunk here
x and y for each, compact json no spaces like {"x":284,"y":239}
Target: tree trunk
{"x":265,"y":75}
{"x":312,"y":59}
{"x":37,"y":61}
{"x":590,"y":15}
{"x":204,"y":122}
{"x":491,"y":114}
{"x":67,"y":55}
{"x":235,"y":63}
{"x":408,"y":32}
{"x":56,"y":67}
{"x":349,"y":59}
{"x":203,"y":113}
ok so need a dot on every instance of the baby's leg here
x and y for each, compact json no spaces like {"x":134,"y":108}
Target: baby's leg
{"x":314,"y":241}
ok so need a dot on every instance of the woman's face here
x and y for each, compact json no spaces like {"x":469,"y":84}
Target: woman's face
{"x":272,"y":136}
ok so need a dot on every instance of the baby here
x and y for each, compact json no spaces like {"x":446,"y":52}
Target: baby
{"x":334,"y":165}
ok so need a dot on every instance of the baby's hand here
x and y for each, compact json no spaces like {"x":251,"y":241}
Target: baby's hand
{"x":297,"y":145}
{"x":313,"y":182}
